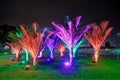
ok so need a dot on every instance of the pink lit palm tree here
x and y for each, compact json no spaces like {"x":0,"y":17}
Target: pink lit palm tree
{"x":70,"y":35}
{"x":96,"y":36}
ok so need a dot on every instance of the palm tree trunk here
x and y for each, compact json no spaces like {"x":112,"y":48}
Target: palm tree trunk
{"x":61,"y":54}
{"x":95,"y":57}
{"x":70,"y":55}
{"x":34,"y":63}
{"x":40,"y":54}
{"x":51,"y":53}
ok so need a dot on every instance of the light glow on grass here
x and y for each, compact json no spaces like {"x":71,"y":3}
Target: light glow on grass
{"x":67,"y":64}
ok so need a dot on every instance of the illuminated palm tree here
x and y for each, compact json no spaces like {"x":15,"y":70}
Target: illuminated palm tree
{"x":77,"y":46}
{"x":71,"y":35}
{"x":31,"y":40}
{"x":15,"y":49}
{"x":46,"y":41}
{"x":14,"y":44}
{"x":61,"y":48}
{"x":52,"y":43}
{"x":96,"y":36}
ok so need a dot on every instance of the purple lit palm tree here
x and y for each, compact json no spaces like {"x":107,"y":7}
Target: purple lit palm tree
{"x":45,"y":41}
{"x":71,"y":35}
{"x":52,"y":43}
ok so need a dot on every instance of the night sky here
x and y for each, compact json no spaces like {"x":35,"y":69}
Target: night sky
{"x":16,"y":12}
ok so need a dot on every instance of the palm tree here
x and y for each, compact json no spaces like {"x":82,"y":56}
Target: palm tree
{"x":46,"y":41}
{"x":77,"y":46}
{"x":14,"y":44}
{"x":96,"y":36}
{"x":31,"y":41}
{"x":52,"y":43}
{"x":15,"y":48}
{"x":71,"y":35}
{"x":61,"y":48}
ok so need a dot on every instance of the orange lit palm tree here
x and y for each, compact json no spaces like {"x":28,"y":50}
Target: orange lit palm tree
{"x":14,"y":44}
{"x":96,"y":36}
{"x":15,"y":48}
{"x":31,"y":41}
{"x":61,"y":49}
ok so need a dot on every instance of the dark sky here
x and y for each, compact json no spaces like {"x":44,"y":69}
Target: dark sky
{"x":16,"y":12}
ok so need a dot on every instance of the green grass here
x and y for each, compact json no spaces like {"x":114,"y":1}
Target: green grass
{"x":83,"y":69}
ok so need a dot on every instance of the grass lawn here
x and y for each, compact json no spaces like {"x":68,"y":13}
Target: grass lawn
{"x":82,"y":69}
